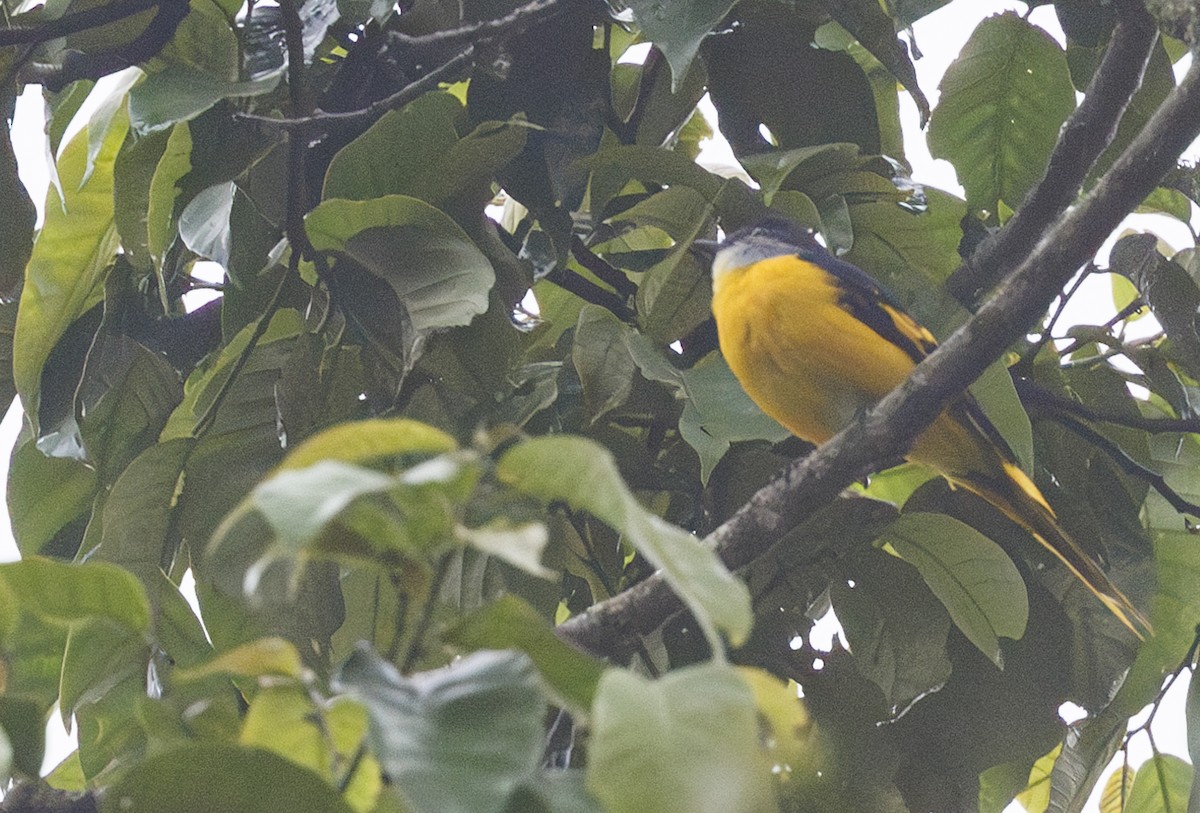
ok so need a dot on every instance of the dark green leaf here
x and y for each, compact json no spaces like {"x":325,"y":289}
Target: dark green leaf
{"x":971,"y":575}
{"x":510,"y":623}
{"x":457,"y":740}
{"x":220,"y":776}
{"x":895,"y":627}
{"x":436,"y":271}
{"x":585,"y":476}
{"x":686,"y":743}
{"x":1002,"y":104}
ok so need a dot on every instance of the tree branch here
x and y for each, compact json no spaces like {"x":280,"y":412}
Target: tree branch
{"x":78,"y":65}
{"x":321,"y":122}
{"x":887,"y":430}
{"x":1128,"y":465}
{"x":1049,"y":402}
{"x":73,"y":23}
{"x":1085,"y":136}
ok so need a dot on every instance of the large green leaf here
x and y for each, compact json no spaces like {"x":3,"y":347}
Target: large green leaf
{"x":1002,"y":104}
{"x":1162,"y":785}
{"x":66,"y":272}
{"x":687,"y":743}
{"x":971,"y":575}
{"x":366,"y":441}
{"x":45,"y":495}
{"x":16,"y":227}
{"x":510,"y":623}
{"x":137,"y":519}
{"x":436,"y":271}
{"x":718,"y":412}
{"x":456,"y":740}
{"x":437,"y":164}
{"x":63,"y":593}
{"x":585,"y":476}
{"x":678,"y":27}
{"x":220,"y":777}
{"x":251,"y":395}
{"x":895,"y":627}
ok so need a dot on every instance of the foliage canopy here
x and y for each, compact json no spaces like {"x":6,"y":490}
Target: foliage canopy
{"x":460,"y":385}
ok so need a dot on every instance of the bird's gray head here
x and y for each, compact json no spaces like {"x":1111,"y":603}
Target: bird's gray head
{"x":772,"y":236}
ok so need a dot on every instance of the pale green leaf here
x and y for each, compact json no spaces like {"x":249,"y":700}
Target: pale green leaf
{"x":585,"y":476}
{"x":686,"y":743}
{"x":971,"y":575}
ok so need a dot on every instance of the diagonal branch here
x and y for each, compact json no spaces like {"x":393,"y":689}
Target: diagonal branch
{"x":887,"y":430}
{"x":73,"y":23}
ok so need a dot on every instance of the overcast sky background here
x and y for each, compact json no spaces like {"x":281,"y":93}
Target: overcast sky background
{"x":939,"y":37}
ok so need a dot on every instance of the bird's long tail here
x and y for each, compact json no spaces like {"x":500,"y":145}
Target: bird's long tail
{"x":1021,"y":501}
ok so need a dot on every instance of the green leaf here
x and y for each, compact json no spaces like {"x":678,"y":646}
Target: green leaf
{"x":265,"y":656}
{"x":63,"y":593}
{"x":1036,"y":794}
{"x":99,"y":654}
{"x":436,"y":271}
{"x":875,"y":31}
{"x":1002,"y":104}
{"x":1162,"y":785}
{"x":455,"y":740}
{"x":370,"y":440}
{"x":25,"y":730}
{"x":16,"y":227}
{"x":180,"y":93}
{"x":971,"y":575}
{"x":66,"y":271}
{"x":678,"y":27}
{"x":520,"y":545}
{"x":896,"y":629}
{"x":438,"y":165}
{"x":299,"y":503}
{"x":585,"y":476}
{"x":686,"y":743}
{"x":997,"y":396}
{"x":244,"y":405}
{"x":718,"y":412}
{"x":137,"y":518}
{"x":912,"y":252}
{"x":613,"y":168}
{"x":606,"y":370}
{"x":286,"y":721}
{"x":510,"y":623}
{"x":164,"y":191}
{"x":225,"y":777}
{"x":45,"y":494}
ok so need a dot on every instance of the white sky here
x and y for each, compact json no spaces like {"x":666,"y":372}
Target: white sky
{"x":939,"y":36}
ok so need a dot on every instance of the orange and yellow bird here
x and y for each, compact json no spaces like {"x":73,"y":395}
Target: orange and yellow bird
{"x":815,"y":341}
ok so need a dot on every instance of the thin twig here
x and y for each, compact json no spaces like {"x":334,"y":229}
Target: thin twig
{"x":604,"y":272}
{"x":321,"y":122}
{"x":1033,"y":394}
{"x":514,"y":22}
{"x":1128,"y":465}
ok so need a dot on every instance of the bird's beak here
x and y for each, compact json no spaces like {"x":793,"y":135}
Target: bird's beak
{"x":705,"y":249}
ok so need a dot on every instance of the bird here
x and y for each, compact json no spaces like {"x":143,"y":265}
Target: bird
{"x":815,"y":341}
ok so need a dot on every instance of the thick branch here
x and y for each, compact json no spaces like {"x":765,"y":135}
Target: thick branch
{"x":887,"y":430}
{"x":78,"y":65}
{"x":73,"y":23}
{"x":1085,"y":136}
